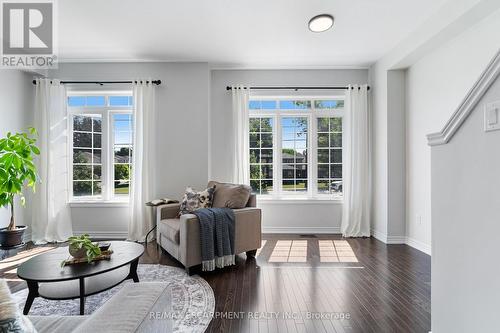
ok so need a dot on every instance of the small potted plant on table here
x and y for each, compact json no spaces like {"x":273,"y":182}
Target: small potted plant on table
{"x":82,"y":247}
{"x":17,"y":171}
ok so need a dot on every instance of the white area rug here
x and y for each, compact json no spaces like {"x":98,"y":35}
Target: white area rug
{"x":191,"y":297}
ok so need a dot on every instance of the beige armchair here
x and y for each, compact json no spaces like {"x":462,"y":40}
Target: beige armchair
{"x":180,"y":236}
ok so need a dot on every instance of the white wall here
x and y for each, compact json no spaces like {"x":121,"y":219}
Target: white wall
{"x":442,"y":59}
{"x":306,"y":217}
{"x":396,"y":210}
{"x":435,"y":87}
{"x":379,"y":214}
{"x":301,"y":217}
{"x":388,"y":121}
{"x":183,"y":100}
{"x":466,"y":228}
{"x":16,"y":114}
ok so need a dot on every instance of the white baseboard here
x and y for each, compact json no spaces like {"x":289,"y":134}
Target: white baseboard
{"x":301,"y":230}
{"x":103,"y":234}
{"x":396,"y":240}
{"x":425,"y":248}
{"x":402,"y":240}
{"x":92,"y":234}
{"x":379,"y":235}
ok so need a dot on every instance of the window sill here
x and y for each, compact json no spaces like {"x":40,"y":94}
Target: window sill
{"x":98,"y":204}
{"x":300,"y":200}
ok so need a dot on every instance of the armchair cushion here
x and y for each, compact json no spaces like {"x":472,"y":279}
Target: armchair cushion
{"x":227,"y":195}
{"x":170,"y":229}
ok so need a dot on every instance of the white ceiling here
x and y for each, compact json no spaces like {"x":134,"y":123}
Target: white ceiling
{"x":236,"y":33}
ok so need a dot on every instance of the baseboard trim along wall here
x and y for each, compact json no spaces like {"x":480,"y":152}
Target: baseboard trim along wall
{"x":103,"y":234}
{"x":396,"y":240}
{"x":425,"y":248}
{"x":301,"y":230}
{"x":379,"y":235}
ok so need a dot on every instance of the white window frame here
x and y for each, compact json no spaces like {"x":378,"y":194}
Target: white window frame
{"x":107,"y":143}
{"x":312,"y":146}
{"x":274,"y":145}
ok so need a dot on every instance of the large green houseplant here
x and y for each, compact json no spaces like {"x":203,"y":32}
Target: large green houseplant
{"x":17,"y":172}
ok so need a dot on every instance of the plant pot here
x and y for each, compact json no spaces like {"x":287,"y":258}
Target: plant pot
{"x":77,"y":253}
{"x":12,"y":238}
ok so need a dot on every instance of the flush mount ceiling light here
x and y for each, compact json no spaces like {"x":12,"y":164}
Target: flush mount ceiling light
{"x":320,"y":23}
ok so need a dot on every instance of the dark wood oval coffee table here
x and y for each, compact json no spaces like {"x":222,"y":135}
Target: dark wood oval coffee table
{"x":46,"y":278}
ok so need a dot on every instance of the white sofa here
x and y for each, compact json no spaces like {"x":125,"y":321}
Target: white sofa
{"x":137,"y":307}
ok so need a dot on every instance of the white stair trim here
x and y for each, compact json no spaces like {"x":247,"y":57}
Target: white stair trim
{"x":470,"y":101}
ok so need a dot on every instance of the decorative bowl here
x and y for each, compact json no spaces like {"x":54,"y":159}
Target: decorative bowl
{"x":104,"y":246}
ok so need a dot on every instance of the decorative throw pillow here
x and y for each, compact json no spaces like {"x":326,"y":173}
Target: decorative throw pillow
{"x":234,"y":196}
{"x":195,"y":200}
{"x":11,"y":319}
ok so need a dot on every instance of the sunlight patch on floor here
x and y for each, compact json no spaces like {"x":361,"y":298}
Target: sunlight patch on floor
{"x":23,"y":256}
{"x":289,"y":251}
{"x":336,"y":251}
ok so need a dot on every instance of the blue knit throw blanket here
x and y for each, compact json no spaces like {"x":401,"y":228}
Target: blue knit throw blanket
{"x":217,"y":237}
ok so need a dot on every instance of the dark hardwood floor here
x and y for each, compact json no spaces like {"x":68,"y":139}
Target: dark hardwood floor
{"x":311,"y":284}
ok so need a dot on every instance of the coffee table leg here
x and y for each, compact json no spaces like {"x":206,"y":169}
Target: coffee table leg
{"x":133,"y":270}
{"x":82,"y":296}
{"x":33,"y":292}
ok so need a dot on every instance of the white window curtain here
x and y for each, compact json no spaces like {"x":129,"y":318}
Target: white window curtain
{"x":356,"y":180}
{"x":143,"y":162}
{"x":51,"y":217}
{"x":241,"y":157}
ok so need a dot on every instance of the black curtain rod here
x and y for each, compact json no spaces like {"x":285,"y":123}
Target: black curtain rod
{"x":296,"y":88}
{"x":157,"y":82}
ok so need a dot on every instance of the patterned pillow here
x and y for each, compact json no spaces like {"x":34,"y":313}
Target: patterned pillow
{"x":11,"y":319}
{"x":195,"y":200}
